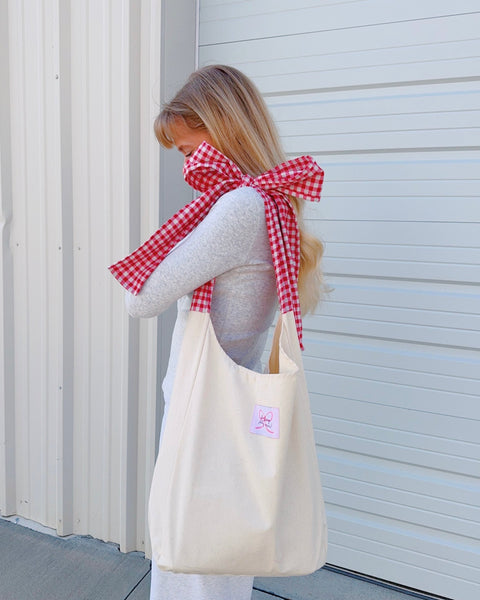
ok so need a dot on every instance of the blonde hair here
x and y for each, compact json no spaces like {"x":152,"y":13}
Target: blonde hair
{"x":227,"y":104}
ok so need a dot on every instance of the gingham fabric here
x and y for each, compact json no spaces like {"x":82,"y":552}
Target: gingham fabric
{"x":212,"y":173}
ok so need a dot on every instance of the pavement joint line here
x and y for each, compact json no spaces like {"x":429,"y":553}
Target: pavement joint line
{"x":385,"y":584}
{"x":137,"y":584}
{"x":272,"y":594}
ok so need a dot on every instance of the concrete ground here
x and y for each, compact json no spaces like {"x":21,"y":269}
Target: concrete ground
{"x":37,"y":566}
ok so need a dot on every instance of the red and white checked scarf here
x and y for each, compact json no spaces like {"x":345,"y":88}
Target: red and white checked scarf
{"x":212,"y":173}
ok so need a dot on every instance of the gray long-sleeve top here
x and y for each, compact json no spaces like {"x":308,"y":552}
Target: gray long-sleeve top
{"x":230,"y":244}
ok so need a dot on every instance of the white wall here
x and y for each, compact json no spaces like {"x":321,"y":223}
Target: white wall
{"x":385,"y":95}
{"x":80,"y":172}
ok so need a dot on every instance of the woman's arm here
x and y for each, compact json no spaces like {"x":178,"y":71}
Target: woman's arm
{"x":222,"y":241}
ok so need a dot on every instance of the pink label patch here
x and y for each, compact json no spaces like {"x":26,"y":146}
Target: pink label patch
{"x":266,"y":421}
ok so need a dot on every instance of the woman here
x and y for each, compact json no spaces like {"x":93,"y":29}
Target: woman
{"x":221,"y":106}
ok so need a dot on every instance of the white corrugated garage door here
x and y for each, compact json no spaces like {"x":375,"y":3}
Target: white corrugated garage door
{"x":385,"y":95}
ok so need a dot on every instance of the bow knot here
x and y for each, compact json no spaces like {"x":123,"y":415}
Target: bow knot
{"x":247,"y":181}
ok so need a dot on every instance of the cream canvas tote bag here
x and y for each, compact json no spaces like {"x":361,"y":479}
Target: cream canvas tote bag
{"x":236,"y":488}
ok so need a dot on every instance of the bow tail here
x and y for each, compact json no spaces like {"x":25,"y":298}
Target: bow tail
{"x":280,"y":216}
{"x":133,"y":270}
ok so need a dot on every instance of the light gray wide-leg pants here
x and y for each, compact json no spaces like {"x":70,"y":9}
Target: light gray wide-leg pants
{"x":179,"y":586}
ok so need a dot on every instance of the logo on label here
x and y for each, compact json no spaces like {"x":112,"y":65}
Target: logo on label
{"x":266,"y":421}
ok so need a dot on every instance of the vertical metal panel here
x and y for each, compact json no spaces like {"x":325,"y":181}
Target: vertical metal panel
{"x":80,"y":177}
{"x":65,"y":440}
{"x":7,"y":381}
{"x":106,"y":205}
{"x":36,"y":248}
{"x":148,"y":40}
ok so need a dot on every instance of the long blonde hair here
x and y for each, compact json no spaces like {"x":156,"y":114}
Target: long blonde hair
{"x":227,"y":104}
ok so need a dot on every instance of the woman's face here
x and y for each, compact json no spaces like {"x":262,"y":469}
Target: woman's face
{"x":187,"y":140}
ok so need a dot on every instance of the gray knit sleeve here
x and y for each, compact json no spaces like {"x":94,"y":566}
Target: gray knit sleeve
{"x":221,"y":242}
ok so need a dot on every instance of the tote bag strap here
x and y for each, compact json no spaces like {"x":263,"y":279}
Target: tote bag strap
{"x":202,"y":296}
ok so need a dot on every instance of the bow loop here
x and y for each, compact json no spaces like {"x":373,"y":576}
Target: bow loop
{"x":300,"y":177}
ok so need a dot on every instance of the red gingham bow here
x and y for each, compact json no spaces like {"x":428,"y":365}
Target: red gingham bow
{"x":212,"y":173}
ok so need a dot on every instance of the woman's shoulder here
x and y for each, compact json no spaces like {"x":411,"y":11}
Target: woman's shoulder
{"x":243,"y":203}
